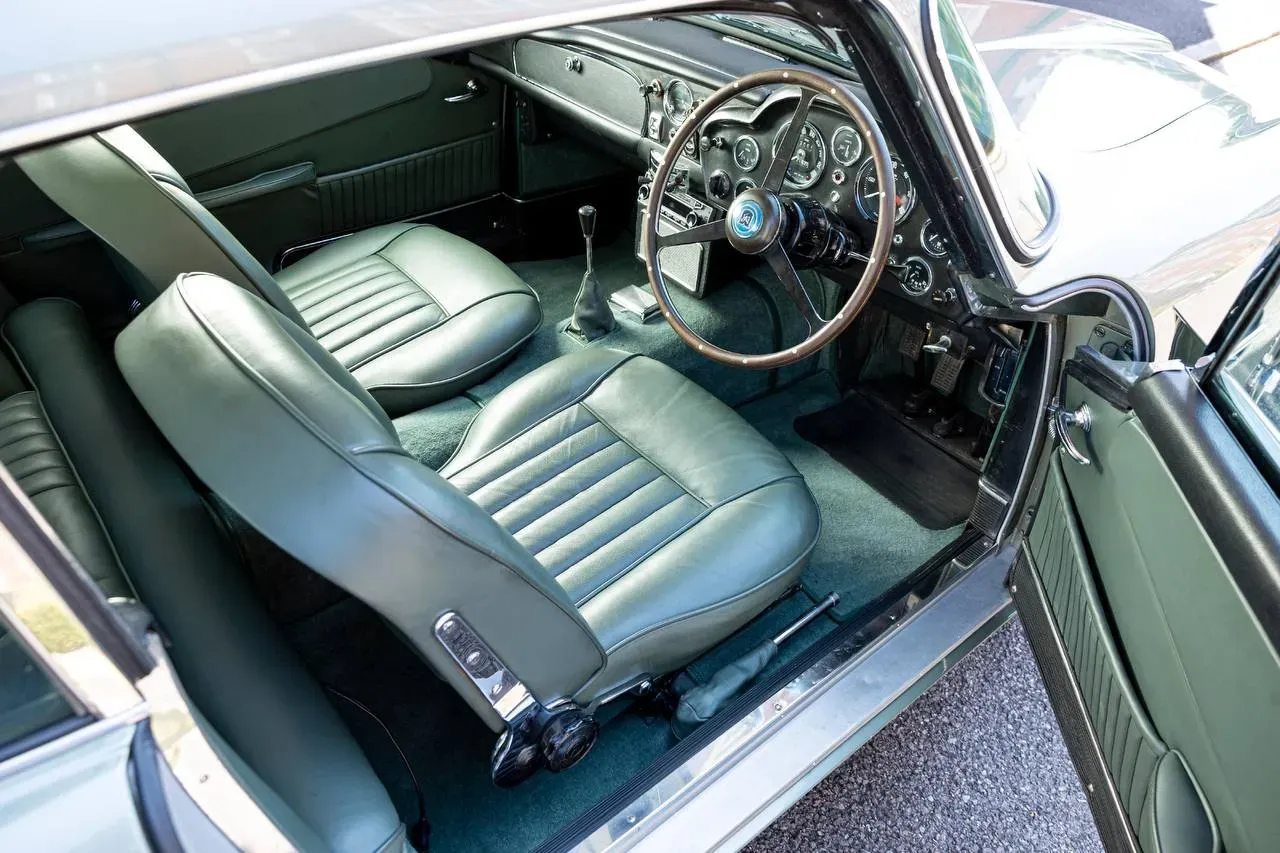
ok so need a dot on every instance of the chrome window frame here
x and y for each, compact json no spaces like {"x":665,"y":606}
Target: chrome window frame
{"x":1023,"y":250}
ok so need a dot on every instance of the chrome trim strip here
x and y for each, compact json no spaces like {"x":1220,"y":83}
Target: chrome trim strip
{"x":735,"y":785}
{"x":344,"y":40}
{"x":70,"y":741}
{"x":1026,"y":251}
{"x":51,"y":632}
{"x":199,"y":768}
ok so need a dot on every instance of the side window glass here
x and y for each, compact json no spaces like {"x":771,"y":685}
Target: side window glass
{"x":29,"y":700}
{"x":1249,"y":378}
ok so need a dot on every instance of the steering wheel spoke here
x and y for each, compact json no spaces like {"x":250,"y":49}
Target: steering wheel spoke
{"x":705,"y":233}
{"x":791,"y":283}
{"x":787,"y":147}
{"x":759,"y":221}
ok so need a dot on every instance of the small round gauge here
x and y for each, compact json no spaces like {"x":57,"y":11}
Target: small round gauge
{"x":809,"y":159}
{"x":846,"y":145}
{"x":867,"y":195}
{"x":932,"y":241}
{"x":915,"y":276}
{"x":746,"y":153}
{"x":677,"y":103}
{"x":743,"y":185}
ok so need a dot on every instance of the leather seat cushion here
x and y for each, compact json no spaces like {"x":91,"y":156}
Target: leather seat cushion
{"x":667,"y":519}
{"x":415,"y":313}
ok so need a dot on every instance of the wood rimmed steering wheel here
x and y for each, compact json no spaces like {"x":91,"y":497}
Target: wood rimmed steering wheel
{"x":760,"y":220}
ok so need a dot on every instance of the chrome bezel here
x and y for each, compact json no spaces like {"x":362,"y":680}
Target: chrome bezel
{"x":819,"y":170}
{"x":928,"y":272}
{"x":666,"y":101}
{"x":743,"y":185}
{"x":871,"y":215}
{"x":857,"y":137}
{"x":924,"y":243}
{"x":755,"y":158}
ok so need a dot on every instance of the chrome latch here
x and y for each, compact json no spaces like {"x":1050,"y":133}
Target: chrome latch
{"x":1061,"y":420}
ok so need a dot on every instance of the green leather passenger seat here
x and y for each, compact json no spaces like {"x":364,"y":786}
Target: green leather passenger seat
{"x":78,"y":444}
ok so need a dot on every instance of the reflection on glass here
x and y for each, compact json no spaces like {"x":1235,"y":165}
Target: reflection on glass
{"x":1022,"y":189}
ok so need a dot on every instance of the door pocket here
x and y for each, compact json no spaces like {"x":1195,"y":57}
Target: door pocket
{"x":411,"y":185}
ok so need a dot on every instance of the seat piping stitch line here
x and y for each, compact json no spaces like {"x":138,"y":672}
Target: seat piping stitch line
{"x":688,"y":491}
{"x":4,"y":333}
{"x":524,"y":462}
{"x":480,"y":368}
{"x":615,"y":472}
{"x":534,"y":487}
{"x":601,"y":510}
{"x":308,"y":285}
{"x":595,"y":383}
{"x":446,"y":318}
{"x":312,"y":288}
{"x":693,"y":522}
{"x":715,"y":606}
{"x":334,"y":447}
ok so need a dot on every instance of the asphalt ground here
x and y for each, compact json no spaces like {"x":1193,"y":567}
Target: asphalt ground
{"x":976,"y":764}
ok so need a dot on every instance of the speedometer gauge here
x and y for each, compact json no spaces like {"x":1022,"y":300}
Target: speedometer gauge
{"x":678,"y":102}
{"x":809,"y":159}
{"x":746,"y":153}
{"x":867,"y":192}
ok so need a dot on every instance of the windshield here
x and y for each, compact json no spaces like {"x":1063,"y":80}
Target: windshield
{"x":819,"y":42}
{"x":1022,"y":191}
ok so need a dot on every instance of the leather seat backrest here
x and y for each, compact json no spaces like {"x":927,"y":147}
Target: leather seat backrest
{"x":120,"y":188}
{"x":277,"y":428}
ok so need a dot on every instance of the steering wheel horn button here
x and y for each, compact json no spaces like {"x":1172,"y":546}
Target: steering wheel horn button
{"x":754,"y":221}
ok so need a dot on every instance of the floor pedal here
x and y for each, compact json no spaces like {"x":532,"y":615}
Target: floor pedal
{"x":911,"y":342}
{"x":946,"y":373}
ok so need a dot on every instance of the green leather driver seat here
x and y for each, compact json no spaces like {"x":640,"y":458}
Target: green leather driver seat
{"x":604,"y":521}
{"x":415,"y":313}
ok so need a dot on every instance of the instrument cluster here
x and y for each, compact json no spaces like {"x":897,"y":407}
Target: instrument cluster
{"x":831,"y":164}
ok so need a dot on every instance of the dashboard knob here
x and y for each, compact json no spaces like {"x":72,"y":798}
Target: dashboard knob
{"x":719,"y":185}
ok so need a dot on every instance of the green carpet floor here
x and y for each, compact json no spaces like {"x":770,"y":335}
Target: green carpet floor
{"x":867,"y":544}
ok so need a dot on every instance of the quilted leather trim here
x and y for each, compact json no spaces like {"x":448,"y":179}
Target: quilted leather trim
{"x":1128,"y":740}
{"x":569,"y":405}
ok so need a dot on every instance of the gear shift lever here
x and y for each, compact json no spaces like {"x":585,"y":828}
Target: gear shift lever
{"x":592,"y":317}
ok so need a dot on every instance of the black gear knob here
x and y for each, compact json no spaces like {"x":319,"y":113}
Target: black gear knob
{"x":587,"y":217}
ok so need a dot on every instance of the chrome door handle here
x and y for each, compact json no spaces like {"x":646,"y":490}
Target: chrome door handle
{"x":1061,"y":420}
{"x":474,"y":89}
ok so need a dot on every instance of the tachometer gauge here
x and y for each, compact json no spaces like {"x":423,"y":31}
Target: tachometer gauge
{"x":746,"y":153}
{"x":915,"y":276}
{"x":677,"y":103}
{"x":932,"y":241}
{"x":809,"y":158}
{"x":867,"y":195}
{"x":846,"y":145}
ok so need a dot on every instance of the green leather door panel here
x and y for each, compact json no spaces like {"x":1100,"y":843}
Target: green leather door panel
{"x":374,"y":145}
{"x":385,"y":142}
{"x":1180,"y":680}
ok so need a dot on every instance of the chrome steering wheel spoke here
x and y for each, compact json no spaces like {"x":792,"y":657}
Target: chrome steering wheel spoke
{"x":705,"y":233}
{"x":787,"y":147}
{"x":791,"y":283}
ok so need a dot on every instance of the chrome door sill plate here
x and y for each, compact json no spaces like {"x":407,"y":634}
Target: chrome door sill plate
{"x":734,"y":787}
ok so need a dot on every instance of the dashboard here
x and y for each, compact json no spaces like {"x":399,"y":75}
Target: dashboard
{"x":628,"y":85}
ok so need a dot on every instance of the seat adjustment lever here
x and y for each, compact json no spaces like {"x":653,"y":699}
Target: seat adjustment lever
{"x":535,"y":736}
